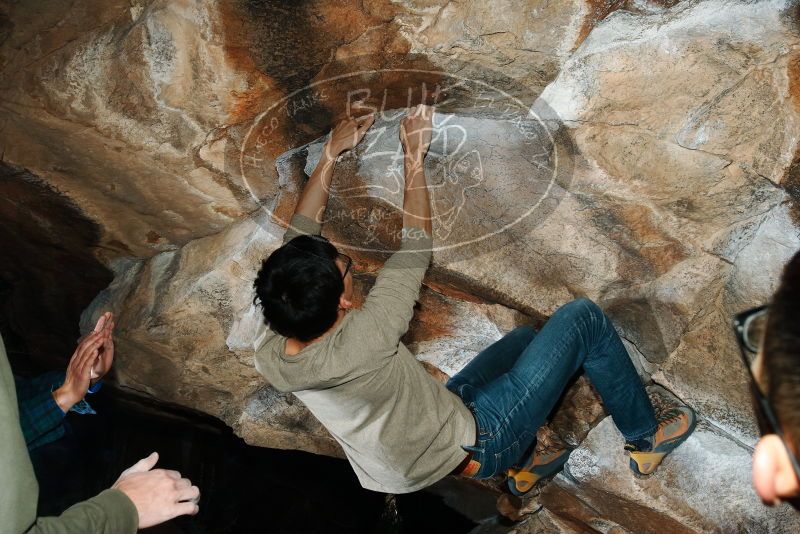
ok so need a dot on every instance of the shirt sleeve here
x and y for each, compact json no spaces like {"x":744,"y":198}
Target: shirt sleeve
{"x":301,"y":225}
{"x":389,"y":306}
{"x":40,"y":417}
{"x":110,"y":512}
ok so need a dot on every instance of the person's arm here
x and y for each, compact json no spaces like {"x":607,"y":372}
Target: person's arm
{"x":45,"y":400}
{"x":110,"y":512}
{"x":415,"y":135}
{"x":389,"y":306}
{"x":142,"y":497}
{"x":310,"y":209}
{"x":40,"y":417}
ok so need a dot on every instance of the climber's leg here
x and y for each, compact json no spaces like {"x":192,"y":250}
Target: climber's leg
{"x":494,"y":360}
{"x":510,"y":409}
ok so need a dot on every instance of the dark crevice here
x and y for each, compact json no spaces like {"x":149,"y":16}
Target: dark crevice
{"x":48,"y":272}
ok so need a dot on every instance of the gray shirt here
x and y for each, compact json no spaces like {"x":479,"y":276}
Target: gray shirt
{"x":400,"y":429}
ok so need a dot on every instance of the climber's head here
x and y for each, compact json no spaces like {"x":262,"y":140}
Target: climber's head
{"x":774,"y":333}
{"x":302,"y":287}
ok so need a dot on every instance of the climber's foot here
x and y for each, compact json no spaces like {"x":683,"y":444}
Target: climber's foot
{"x":540,"y":466}
{"x":674,"y":426}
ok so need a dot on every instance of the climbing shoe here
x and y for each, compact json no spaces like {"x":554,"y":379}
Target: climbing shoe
{"x":674,"y":426}
{"x":540,"y":466}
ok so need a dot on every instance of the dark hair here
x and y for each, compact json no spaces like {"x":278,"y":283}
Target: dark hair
{"x":781,"y":352}
{"x":299,"y":286}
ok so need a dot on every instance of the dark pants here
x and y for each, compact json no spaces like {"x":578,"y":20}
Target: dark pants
{"x":512,"y":385}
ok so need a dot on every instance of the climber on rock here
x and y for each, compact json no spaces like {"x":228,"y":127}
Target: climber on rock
{"x":769,"y":342}
{"x":401,"y":429}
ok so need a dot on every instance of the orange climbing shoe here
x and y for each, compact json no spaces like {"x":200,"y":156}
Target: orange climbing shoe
{"x":674,"y":426}
{"x":540,"y":466}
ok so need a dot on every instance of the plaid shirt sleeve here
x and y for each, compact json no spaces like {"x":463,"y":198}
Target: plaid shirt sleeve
{"x":39,"y":416}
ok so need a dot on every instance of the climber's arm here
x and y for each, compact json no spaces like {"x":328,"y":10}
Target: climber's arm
{"x":344,"y":136}
{"x":415,"y":135}
{"x":389,"y":306}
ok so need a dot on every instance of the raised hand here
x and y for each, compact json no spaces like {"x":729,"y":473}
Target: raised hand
{"x":348,"y":133}
{"x":344,"y":136}
{"x":158,"y":494}
{"x":105,"y":325}
{"x":415,"y":132}
{"x":79,"y":370}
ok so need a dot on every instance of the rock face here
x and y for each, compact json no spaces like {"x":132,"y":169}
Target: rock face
{"x":695,"y":489}
{"x":643,"y":154}
{"x":47,"y":251}
{"x":702,"y":163}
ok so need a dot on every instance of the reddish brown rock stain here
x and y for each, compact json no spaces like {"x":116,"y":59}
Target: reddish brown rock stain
{"x":650,"y":251}
{"x":598,"y":10}
{"x":662,"y":251}
{"x":433,"y":318}
{"x":246,"y":104}
{"x":348,"y":35}
{"x":153,"y":237}
{"x":453,"y":291}
{"x":791,"y":179}
{"x":793,"y":73}
{"x":791,"y":182}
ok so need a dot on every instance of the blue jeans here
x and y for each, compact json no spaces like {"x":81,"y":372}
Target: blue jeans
{"x":512,"y":386}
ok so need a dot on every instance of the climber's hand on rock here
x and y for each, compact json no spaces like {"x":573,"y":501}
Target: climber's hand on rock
{"x":77,"y":379}
{"x":415,"y":132}
{"x":348,"y":133}
{"x":158,"y":494}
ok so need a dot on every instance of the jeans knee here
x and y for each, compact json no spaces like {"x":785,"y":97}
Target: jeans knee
{"x":581,"y":303}
{"x":583,"y":307}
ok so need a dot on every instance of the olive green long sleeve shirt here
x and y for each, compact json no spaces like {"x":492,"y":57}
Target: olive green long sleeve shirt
{"x":110,"y":512}
{"x":400,"y":429}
